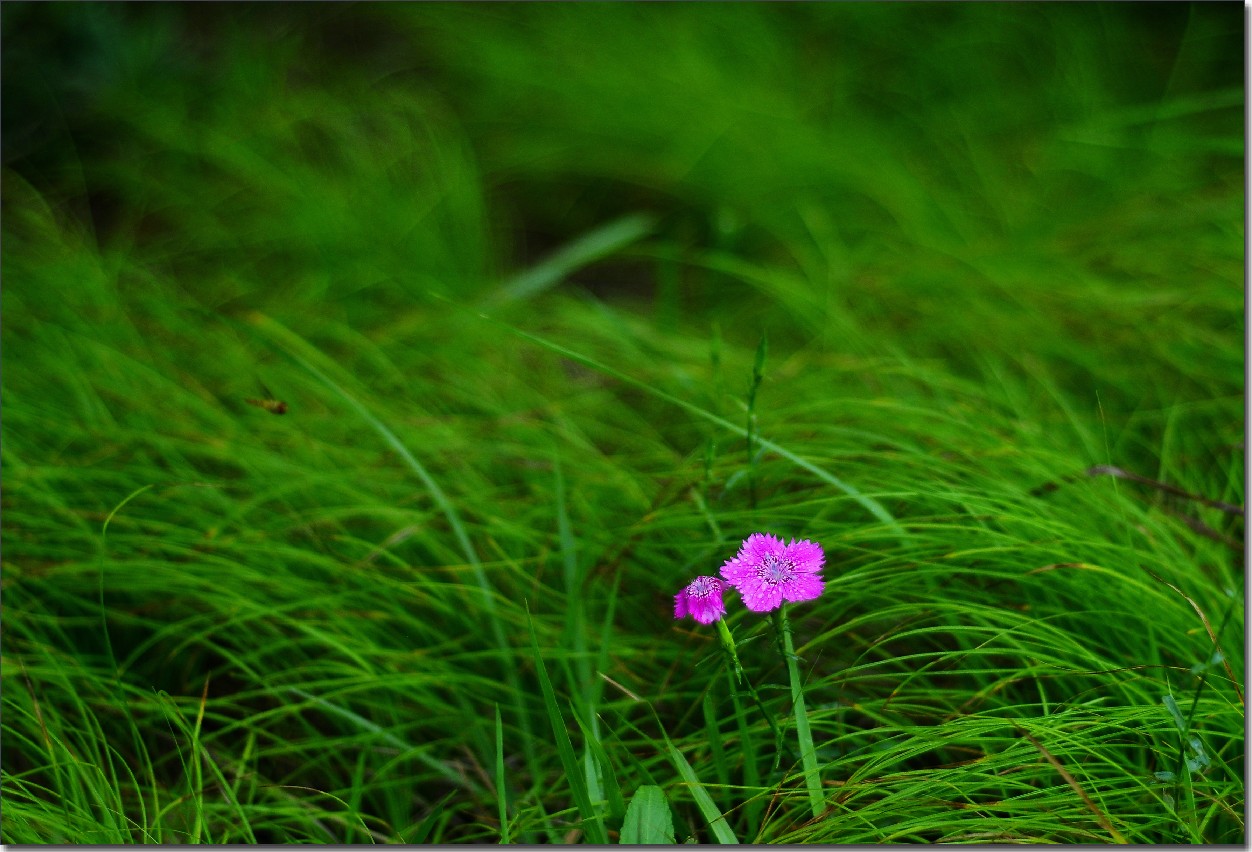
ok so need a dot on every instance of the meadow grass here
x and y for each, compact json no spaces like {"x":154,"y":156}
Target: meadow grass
{"x":511,"y":268}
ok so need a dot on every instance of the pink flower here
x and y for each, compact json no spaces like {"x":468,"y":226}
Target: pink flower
{"x":767,"y":572}
{"x":702,"y":600}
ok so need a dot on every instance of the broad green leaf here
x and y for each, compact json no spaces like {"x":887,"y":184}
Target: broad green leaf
{"x":1172,"y":706}
{"x":648,"y":818}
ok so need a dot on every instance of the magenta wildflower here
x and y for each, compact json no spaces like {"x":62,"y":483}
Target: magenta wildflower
{"x":767,"y":572}
{"x":702,"y":600}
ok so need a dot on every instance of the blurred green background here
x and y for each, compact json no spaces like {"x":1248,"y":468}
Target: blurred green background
{"x":479,"y":250}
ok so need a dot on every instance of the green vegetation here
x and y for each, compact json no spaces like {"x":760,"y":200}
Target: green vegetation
{"x":510,"y":268}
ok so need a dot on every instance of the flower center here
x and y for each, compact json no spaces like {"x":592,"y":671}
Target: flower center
{"x":773,"y":570}
{"x":702,"y":587}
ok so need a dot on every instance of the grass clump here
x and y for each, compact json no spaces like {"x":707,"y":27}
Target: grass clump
{"x":509,"y":268}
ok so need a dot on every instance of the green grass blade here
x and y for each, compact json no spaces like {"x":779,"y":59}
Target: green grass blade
{"x":590,"y":247}
{"x":714,"y":736}
{"x":592,"y":823}
{"x":390,"y":738}
{"x":423,"y":829}
{"x":708,"y":808}
{"x":808,"y":754}
{"x":612,"y":789}
{"x":868,"y":503}
{"x":501,"y":785}
{"x":293,"y":346}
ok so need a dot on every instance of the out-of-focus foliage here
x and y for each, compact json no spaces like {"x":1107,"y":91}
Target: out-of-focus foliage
{"x":507,"y":265}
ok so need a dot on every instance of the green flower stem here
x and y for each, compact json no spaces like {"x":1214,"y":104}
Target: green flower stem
{"x":728,"y":642}
{"x":751,"y":774}
{"x":808,"y":754}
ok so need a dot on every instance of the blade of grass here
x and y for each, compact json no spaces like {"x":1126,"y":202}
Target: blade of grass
{"x":808,"y":754}
{"x":715,"y":818}
{"x":578,"y":674}
{"x":459,"y":779}
{"x":708,"y":808}
{"x":565,"y":749}
{"x":292,"y":344}
{"x":197,"y":763}
{"x":758,"y":375}
{"x":501,"y":794}
{"x":1076,"y":787}
{"x":590,"y":247}
{"x":868,"y":503}
{"x":751,"y":772}
{"x":713,"y":735}
{"x":422,"y":830}
{"x":612,"y":789}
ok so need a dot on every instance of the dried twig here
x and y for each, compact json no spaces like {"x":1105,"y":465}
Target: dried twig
{"x":1110,"y":470}
{"x":1074,"y":785}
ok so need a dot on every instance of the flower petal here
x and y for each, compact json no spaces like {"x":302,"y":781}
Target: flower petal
{"x":762,"y":598}
{"x":804,"y":587}
{"x":807,"y":556}
{"x":766,"y":571}
{"x":701,"y":599}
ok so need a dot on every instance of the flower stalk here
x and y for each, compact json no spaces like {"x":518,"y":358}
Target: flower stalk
{"x":808,"y":753}
{"x":741,"y":677}
{"x":767,"y":572}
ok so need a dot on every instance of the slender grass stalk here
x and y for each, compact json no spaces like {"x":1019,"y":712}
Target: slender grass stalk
{"x":868,"y":503}
{"x":501,"y":786}
{"x":713,"y":727}
{"x":422,"y":830}
{"x":593,"y":824}
{"x":748,"y":752}
{"x":808,"y":754}
{"x":615,"y":803}
{"x":750,"y":431}
{"x":583,"y":250}
{"x":716,"y":819}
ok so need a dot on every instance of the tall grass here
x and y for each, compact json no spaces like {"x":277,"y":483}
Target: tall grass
{"x":509,"y":267}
